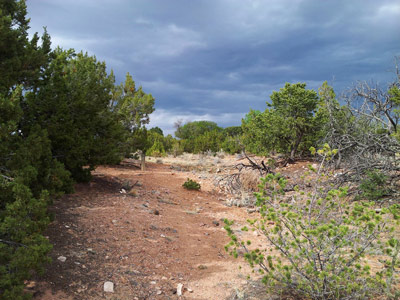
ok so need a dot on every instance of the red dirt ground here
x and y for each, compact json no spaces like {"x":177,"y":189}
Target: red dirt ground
{"x":145,"y":242}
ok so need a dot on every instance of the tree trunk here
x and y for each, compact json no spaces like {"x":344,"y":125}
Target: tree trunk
{"x":142,"y":161}
{"x":295,"y":146}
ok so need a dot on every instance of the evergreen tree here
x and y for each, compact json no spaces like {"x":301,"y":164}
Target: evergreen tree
{"x":194,"y":129}
{"x":133,"y":107}
{"x":287,"y":126}
{"x":21,"y":59}
{"x":27,"y":168}
{"x":73,"y":106}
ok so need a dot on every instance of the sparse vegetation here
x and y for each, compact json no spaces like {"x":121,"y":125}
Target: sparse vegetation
{"x":374,"y":186}
{"x":62,"y":115}
{"x":320,"y":246}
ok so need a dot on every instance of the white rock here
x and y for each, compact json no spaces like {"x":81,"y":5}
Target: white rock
{"x":109,"y":287}
{"x":159,"y":292}
{"x":179,"y":289}
{"x":123,"y":191}
{"x":62,"y":258}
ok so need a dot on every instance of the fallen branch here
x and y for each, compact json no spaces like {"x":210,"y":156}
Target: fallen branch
{"x":13,"y":243}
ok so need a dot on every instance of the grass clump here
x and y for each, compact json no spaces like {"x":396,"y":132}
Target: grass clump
{"x":191,"y":185}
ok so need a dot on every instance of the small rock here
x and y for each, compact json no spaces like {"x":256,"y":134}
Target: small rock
{"x":189,"y":290}
{"x":164,"y":278}
{"x":62,"y":258}
{"x":216,"y":223}
{"x":109,"y":287}
{"x":114,"y":221}
{"x":122,"y":191}
{"x":251,"y":210}
{"x":30,"y":284}
{"x":179,"y":289}
{"x":153,"y":282}
{"x":159,"y":292}
{"x":156,"y":212}
{"x":255,"y":233}
{"x":202,"y":267}
{"x":153,"y":227}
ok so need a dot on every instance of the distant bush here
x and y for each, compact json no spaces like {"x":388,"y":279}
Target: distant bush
{"x":191,"y":185}
{"x":320,"y":245}
{"x":176,"y":149}
{"x":157,"y":150}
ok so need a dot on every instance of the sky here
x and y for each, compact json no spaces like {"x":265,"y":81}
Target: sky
{"x":217,"y":59}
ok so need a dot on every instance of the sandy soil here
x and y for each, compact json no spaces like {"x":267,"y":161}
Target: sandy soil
{"x":153,"y":238}
{"x":146,"y":242}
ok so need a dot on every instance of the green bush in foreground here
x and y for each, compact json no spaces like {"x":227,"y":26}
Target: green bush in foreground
{"x":320,"y":244}
{"x":191,"y":185}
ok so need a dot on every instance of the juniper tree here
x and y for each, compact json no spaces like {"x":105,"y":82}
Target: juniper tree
{"x":133,"y":107}
{"x":72,"y":104}
{"x":28,"y":172}
{"x":288,"y":125}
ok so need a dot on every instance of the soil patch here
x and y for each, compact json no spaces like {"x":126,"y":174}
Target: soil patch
{"x":146,"y":241}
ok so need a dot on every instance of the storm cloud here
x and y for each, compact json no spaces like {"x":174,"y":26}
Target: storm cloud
{"x":215,"y":60}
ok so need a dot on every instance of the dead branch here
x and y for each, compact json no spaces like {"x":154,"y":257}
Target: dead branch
{"x":252,"y":164}
{"x":233,"y":183}
{"x":365,"y":133}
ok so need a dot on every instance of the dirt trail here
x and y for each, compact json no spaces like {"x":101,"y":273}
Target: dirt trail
{"x":145,"y":243}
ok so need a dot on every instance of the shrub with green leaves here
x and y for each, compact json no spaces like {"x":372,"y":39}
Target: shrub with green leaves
{"x":320,"y":245}
{"x":191,"y":185}
{"x":374,"y":186}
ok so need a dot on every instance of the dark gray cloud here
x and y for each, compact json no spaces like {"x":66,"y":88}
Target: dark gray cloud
{"x":217,"y":59}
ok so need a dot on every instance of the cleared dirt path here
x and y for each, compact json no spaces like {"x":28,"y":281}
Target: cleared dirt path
{"x":145,"y":242}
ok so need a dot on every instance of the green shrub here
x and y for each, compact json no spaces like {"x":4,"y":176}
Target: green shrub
{"x":191,"y":185}
{"x":177,"y":148}
{"x":374,"y":186}
{"x":319,"y":244}
{"x":157,"y":150}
